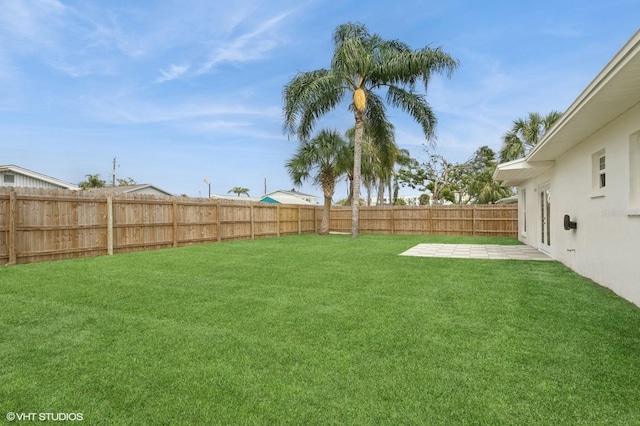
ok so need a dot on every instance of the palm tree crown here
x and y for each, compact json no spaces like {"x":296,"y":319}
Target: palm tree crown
{"x":361,"y":64}
{"x":525,"y":134}
{"x":322,"y":160}
{"x":239,"y":190}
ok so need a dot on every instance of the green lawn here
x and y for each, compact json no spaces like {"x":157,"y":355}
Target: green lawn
{"x":316,"y":330}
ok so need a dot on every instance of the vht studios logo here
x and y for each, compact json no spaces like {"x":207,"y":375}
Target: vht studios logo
{"x":52,"y":417}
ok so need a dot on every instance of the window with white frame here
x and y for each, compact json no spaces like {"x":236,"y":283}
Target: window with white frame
{"x":599,"y":174}
{"x":602,"y":171}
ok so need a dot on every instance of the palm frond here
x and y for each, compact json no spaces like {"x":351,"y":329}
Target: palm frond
{"x":512,"y":147}
{"x":404,"y":67}
{"x":307,"y":97}
{"x":415,"y":105}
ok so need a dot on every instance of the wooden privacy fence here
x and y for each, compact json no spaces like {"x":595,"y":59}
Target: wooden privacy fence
{"x":494,"y":220}
{"x":41,"y":224}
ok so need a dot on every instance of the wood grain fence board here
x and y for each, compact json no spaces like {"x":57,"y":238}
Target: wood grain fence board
{"x":13,"y":223}
{"x":4,"y":229}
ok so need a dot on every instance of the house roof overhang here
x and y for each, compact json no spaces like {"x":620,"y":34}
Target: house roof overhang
{"x":515,"y":172}
{"x":615,"y":90}
{"x":39,"y":176}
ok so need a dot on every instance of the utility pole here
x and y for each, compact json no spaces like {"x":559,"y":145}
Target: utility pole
{"x":113,"y":173}
{"x":208,"y":183}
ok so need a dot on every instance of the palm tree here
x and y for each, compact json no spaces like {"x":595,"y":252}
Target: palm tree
{"x":378,"y":157}
{"x":93,"y":181}
{"x":491,"y":192}
{"x":361,"y":64}
{"x":525,"y":134}
{"x":322,"y":160}
{"x":239,"y":190}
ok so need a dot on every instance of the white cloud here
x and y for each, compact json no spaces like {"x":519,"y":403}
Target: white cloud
{"x":247,"y":47}
{"x":122,"y":109}
{"x":174,"y":71}
{"x":31,"y":21}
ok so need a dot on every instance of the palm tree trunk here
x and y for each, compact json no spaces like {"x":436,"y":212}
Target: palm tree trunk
{"x":357,"y":161}
{"x":380,"y":201}
{"x":349,"y":190}
{"x":326,"y":212}
{"x":328,"y":187}
{"x":367,"y":186}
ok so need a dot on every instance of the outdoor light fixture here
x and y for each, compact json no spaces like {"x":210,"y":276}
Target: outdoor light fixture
{"x":568,"y":225}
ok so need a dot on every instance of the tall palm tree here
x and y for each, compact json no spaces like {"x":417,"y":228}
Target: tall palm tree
{"x":525,"y":134}
{"x":379,"y":153}
{"x":239,"y":190}
{"x":361,"y":64}
{"x":321,"y":160}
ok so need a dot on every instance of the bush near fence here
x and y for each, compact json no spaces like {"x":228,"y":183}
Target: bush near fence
{"x":42,"y":224}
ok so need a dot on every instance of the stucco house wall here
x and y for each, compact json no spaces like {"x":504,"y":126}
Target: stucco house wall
{"x":606,"y":244}
{"x":604,"y":121}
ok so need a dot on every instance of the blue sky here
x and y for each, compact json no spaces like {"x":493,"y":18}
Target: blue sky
{"x":183,"y":90}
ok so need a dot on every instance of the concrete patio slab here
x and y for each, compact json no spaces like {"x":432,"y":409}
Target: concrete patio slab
{"x":477,"y":251}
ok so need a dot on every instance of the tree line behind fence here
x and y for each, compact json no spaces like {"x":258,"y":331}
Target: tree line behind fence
{"x":40,"y":224}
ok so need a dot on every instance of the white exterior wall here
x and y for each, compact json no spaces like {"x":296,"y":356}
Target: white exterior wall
{"x":531,"y":206}
{"x":606,"y":244}
{"x":21,"y":180}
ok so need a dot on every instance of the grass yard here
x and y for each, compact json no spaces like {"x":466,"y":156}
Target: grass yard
{"x":316,"y":330}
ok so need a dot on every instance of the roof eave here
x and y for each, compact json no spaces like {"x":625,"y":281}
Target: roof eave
{"x":516,"y":172}
{"x":39,"y":176}
{"x":598,"y":104}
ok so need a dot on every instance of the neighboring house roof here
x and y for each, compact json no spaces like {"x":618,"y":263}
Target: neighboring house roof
{"x":508,"y":200}
{"x":270,"y":200}
{"x":132,"y":189}
{"x":39,"y":176}
{"x":235,"y":197}
{"x":615,"y":90}
{"x":288,"y":197}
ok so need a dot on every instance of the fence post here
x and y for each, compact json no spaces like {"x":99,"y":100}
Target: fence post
{"x":430,"y":219}
{"x":253,"y":232}
{"x":175,"y":222}
{"x":299,"y":222}
{"x":218,"y":219}
{"x":13,"y":219}
{"x":277,"y":220}
{"x":473,"y":217}
{"x":393,"y":221}
{"x":109,"y":225}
